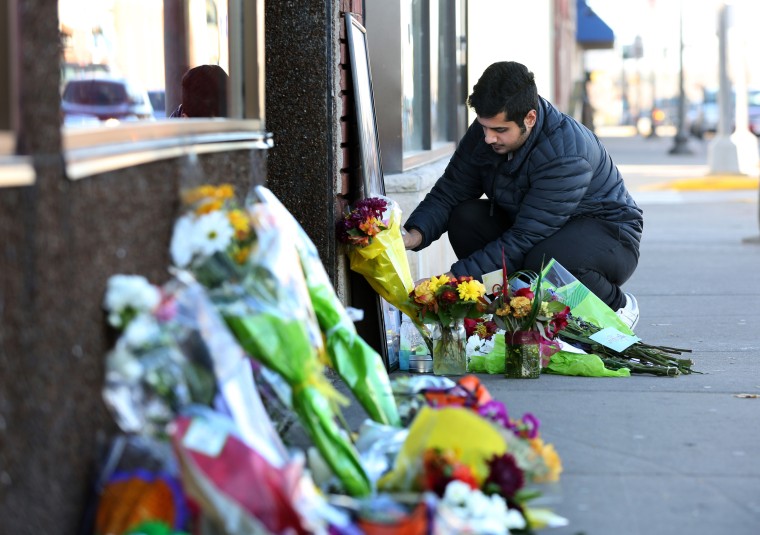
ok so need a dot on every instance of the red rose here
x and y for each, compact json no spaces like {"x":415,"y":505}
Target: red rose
{"x":524,"y":292}
{"x":448,"y":296}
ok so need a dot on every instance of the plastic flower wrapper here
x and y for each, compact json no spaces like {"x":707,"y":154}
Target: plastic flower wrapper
{"x":360,"y":366}
{"x":238,"y":394}
{"x":212,"y":238}
{"x":589,"y":315}
{"x":138,"y":488}
{"x":376,"y":250}
{"x":237,"y":489}
{"x":149,"y":378}
{"x":583,"y":302}
{"x":271,"y":316}
{"x":378,"y":446}
{"x":409,"y":393}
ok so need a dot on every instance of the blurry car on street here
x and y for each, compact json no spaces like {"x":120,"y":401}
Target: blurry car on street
{"x":706,"y":116}
{"x":104,"y":99}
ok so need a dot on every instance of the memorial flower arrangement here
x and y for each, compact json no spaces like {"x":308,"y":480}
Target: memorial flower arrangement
{"x":444,"y":302}
{"x":371,"y":231}
{"x":528,"y":308}
{"x":213,"y":237}
{"x":531,"y":316}
{"x":248,"y":296}
{"x":487,"y":473}
{"x":364,"y":222}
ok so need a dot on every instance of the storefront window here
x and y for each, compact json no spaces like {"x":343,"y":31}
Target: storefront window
{"x":121,"y":70}
{"x":114,"y":66}
{"x":424,"y":76}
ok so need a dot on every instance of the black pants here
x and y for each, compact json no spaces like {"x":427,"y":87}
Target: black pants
{"x":591,"y":249}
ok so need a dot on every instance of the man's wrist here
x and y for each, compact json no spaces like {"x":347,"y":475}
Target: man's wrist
{"x":412,"y":238}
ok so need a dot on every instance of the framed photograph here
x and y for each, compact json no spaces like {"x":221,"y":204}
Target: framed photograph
{"x":382,"y":321}
{"x":371,"y":164}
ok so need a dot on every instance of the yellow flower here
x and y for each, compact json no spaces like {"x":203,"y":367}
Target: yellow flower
{"x":471,"y":290}
{"x":437,"y":282}
{"x":239,"y":221}
{"x":194,"y":195}
{"x":224,"y":191}
{"x":208,"y":207}
{"x":241,"y":255}
{"x":504,"y":311}
{"x":520,"y":306}
{"x":423,"y":294}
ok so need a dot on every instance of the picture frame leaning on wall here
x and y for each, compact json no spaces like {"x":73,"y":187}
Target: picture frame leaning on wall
{"x":381,"y":324}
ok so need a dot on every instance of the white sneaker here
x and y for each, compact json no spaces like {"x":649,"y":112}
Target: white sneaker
{"x":630,"y":312}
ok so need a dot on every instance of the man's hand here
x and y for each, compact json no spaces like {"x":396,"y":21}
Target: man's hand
{"x":412,"y":238}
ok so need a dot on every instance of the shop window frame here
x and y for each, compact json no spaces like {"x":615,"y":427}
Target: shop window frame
{"x":15,"y":170}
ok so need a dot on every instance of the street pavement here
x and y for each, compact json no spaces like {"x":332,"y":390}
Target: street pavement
{"x":649,"y":455}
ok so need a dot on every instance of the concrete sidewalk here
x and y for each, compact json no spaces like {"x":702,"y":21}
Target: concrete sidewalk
{"x":651,"y":455}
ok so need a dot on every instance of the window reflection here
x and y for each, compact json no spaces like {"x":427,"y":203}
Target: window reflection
{"x":114,"y":65}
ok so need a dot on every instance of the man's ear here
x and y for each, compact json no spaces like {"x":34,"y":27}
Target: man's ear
{"x":530,"y":119}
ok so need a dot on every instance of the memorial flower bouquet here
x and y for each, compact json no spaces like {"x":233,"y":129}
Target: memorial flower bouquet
{"x":213,"y":237}
{"x":444,"y":303}
{"x":372,"y":234}
{"x":360,"y":366}
{"x":531,"y":315}
{"x":263,"y":298}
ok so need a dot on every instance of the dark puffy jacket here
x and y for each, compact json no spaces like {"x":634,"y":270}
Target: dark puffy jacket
{"x":560,"y":173}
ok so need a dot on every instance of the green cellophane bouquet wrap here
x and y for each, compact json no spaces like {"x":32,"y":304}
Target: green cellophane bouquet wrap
{"x":261,"y":293}
{"x":360,"y":366}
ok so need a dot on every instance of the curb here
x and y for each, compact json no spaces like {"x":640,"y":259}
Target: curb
{"x":706,"y":183}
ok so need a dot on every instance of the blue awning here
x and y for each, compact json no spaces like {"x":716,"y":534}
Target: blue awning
{"x":591,"y":32}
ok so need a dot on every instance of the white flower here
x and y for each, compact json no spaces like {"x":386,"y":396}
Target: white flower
{"x":515,"y":520}
{"x":213,"y":233}
{"x":478,"y":504}
{"x":141,"y":331}
{"x":123,"y":364}
{"x":129,"y":292}
{"x":456,"y":492}
{"x":182,"y":246}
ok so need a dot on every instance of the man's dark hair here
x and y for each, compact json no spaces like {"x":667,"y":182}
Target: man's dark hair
{"x":204,"y":91}
{"x":505,"y":86}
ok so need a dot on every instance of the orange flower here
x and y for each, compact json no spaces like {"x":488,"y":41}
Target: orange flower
{"x":550,"y":457}
{"x":372,"y":226}
{"x":423,"y":295}
{"x":520,"y":306}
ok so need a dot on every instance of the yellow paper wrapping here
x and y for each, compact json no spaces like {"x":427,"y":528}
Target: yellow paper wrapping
{"x":384,"y":264}
{"x":475,"y":441}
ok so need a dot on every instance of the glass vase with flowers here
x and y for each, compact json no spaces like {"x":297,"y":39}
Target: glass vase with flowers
{"x":443,"y":302}
{"x":531,"y":316}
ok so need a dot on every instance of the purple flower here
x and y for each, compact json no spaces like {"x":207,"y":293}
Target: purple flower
{"x":495,"y":411}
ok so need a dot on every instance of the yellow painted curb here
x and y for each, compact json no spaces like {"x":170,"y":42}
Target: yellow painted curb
{"x":706,"y":183}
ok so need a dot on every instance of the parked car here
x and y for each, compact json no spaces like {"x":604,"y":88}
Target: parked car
{"x":707,"y":114}
{"x":104,"y":98}
{"x":753,"y":103}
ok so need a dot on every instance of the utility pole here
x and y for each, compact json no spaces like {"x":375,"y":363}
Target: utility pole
{"x":681,"y":141}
